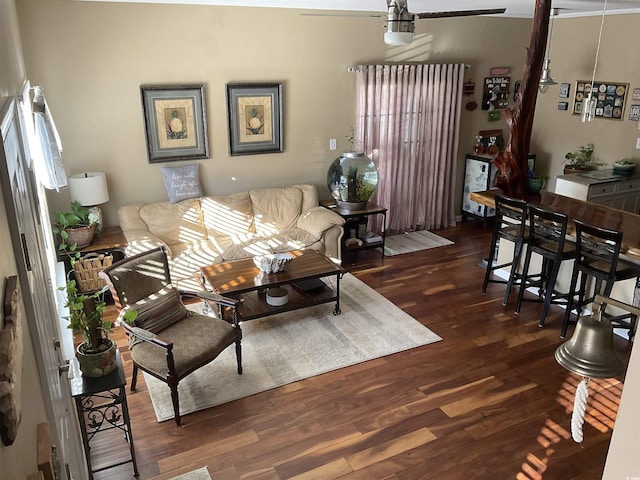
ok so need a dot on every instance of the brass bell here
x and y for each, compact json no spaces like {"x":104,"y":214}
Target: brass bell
{"x":590,"y":351}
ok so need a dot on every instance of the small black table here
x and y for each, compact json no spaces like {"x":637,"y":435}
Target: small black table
{"x":352,"y":219}
{"x":101,"y":404}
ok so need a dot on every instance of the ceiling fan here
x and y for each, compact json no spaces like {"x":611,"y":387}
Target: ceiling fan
{"x":401,"y":23}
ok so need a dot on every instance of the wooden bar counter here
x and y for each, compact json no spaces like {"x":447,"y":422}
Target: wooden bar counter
{"x":591,"y":213}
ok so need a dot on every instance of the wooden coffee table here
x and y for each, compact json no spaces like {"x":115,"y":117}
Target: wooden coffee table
{"x":301,"y":278}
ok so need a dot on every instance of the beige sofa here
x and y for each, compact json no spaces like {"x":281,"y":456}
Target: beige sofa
{"x":212,"y":229}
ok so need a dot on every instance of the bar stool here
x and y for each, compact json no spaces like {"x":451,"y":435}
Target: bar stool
{"x":547,"y":238}
{"x":510,"y":224}
{"x":597,"y":256}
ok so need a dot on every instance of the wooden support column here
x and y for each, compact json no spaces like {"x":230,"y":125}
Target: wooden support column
{"x":512,"y":164}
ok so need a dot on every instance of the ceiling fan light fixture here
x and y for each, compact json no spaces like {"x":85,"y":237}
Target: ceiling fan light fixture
{"x":398,"y":38}
{"x":400,"y":24}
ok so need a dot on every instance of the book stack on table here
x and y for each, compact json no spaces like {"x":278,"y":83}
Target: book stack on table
{"x":371,"y":237}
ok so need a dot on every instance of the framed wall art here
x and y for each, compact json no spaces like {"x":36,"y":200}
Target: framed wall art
{"x":175,"y":121}
{"x":495,"y":94}
{"x":609,"y":98}
{"x":254,"y":113}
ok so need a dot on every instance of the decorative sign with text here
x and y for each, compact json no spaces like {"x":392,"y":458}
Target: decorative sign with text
{"x":496,"y":93}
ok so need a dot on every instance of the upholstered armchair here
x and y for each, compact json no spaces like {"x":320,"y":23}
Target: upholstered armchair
{"x":167,"y":340}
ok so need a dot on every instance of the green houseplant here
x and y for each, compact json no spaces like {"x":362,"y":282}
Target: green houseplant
{"x":581,"y":160}
{"x":537,"y":182}
{"x":76,"y":227}
{"x":97,"y":353}
{"x":625,"y":166}
{"x":352,"y":177}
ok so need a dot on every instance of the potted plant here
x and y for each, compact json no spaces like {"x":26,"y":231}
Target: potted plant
{"x":581,"y":160}
{"x":76,"y":227}
{"x":97,"y":353}
{"x":352,"y":177}
{"x":537,"y":182}
{"x":624,"y":166}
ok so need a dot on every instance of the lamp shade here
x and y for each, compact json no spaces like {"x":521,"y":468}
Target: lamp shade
{"x":89,"y":188}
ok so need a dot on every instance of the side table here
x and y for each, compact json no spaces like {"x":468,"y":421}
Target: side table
{"x":352,"y":220}
{"x":101,"y":405}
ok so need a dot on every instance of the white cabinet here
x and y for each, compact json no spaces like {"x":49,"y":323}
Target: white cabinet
{"x":479,"y":175}
{"x":603,"y":187}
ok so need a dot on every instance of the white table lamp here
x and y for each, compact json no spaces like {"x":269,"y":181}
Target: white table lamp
{"x":90,"y":190}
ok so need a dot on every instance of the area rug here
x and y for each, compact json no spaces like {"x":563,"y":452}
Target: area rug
{"x":200,"y":474}
{"x":295,"y":345}
{"x":413,"y":242}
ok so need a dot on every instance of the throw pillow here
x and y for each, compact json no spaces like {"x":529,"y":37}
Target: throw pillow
{"x":182,"y":182}
{"x":160,"y":310}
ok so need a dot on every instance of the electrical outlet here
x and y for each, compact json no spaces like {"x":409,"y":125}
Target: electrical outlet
{"x":332,"y":143}
{"x":638,"y":143}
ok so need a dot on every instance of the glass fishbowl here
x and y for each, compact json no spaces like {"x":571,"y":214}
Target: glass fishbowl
{"x":352,"y":179}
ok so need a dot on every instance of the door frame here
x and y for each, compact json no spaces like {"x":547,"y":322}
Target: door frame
{"x":24,"y":209}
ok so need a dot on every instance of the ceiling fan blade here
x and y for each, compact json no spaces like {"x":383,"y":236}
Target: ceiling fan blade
{"x":461,"y":13}
{"x":363,"y":15}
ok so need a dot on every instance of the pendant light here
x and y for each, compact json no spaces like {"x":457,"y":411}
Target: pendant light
{"x":545,"y":78}
{"x":589,"y":104}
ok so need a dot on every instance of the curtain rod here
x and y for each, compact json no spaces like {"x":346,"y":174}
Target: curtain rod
{"x":356,"y":68}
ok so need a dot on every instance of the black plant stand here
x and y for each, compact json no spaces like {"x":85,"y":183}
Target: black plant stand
{"x":101,"y":405}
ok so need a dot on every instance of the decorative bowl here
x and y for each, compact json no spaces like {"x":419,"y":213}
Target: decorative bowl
{"x":272,"y":263}
{"x":623,"y":168}
{"x":277,"y":297}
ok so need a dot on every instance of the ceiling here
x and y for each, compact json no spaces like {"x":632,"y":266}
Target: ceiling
{"x":515,"y":8}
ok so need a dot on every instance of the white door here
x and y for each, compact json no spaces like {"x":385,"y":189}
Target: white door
{"x":26,"y":210}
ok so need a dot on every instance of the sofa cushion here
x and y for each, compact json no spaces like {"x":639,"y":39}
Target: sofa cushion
{"x":227,"y":214}
{"x":275,"y":209}
{"x":309,"y":196}
{"x":285,"y":241}
{"x":187,"y":259}
{"x":174,"y":222}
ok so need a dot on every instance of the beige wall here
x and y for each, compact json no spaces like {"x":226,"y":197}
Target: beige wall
{"x":19,"y":459}
{"x":572,"y":56}
{"x":92,"y":58}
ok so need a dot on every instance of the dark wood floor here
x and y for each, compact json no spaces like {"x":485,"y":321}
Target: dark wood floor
{"x":488,"y":402}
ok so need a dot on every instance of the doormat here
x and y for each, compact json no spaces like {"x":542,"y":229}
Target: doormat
{"x":413,"y":242}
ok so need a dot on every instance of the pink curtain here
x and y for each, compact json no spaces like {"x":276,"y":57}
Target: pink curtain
{"x":407,"y":122}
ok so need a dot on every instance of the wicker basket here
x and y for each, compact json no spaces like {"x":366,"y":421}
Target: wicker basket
{"x":80,"y":236}
{"x":86,"y":271}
